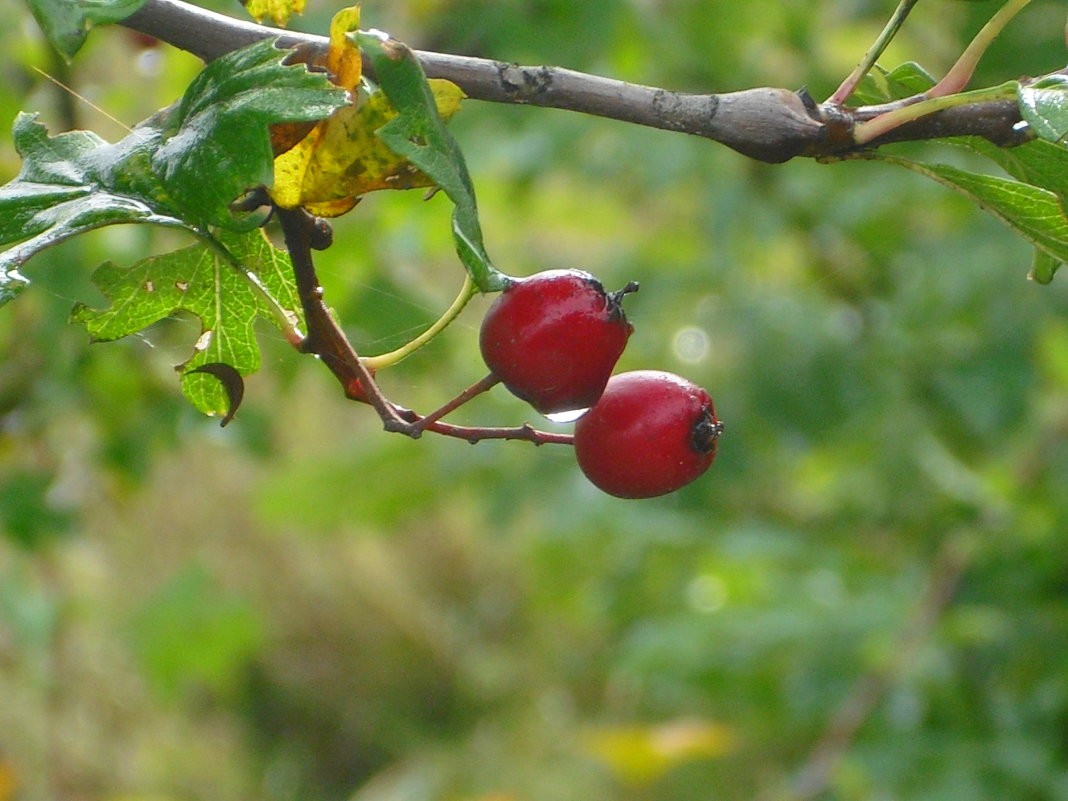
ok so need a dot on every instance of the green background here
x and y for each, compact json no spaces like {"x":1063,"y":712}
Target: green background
{"x":865,"y":598}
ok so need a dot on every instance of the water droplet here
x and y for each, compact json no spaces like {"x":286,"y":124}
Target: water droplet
{"x":567,"y":417}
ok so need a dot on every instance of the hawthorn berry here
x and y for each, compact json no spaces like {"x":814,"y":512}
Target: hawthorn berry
{"x":650,"y":433}
{"x":553,"y":338}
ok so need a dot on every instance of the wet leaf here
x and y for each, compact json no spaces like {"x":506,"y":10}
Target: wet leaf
{"x":69,"y":184}
{"x":1044,"y":105}
{"x":221,"y":128}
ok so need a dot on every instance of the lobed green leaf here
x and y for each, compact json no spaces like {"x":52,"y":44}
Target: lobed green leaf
{"x":220,"y":129}
{"x":201,"y":280}
{"x":180,"y":168}
{"x":68,"y":184}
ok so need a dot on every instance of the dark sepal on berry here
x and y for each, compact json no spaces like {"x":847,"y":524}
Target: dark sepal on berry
{"x":706,"y":433}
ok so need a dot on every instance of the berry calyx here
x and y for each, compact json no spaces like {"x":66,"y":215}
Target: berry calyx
{"x":553,"y":338}
{"x":650,"y":433}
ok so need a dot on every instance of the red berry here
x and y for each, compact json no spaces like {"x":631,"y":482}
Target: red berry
{"x":650,"y":433}
{"x":554,"y":338}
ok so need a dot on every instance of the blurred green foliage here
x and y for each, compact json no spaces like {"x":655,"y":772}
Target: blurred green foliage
{"x":303,"y":607}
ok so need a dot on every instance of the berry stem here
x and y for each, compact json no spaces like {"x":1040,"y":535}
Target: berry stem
{"x":472,"y":391}
{"x":524,"y":432}
{"x":467,"y":291}
{"x":865,"y":132}
{"x":897,"y":19}
{"x":961,"y":72}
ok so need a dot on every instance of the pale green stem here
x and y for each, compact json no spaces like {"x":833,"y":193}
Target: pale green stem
{"x":468,"y":291}
{"x":842,"y":93}
{"x":283,"y":319}
{"x":865,"y":132}
{"x":961,"y":72}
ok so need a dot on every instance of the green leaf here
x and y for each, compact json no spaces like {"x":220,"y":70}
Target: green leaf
{"x":63,"y":190}
{"x":220,"y":128}
{"x":419,"y":134}
{"x":203,"y":281}
{"x":180,"y":168}
{"x":1044,"y":105}
{"x":1032,"y":211}
{"x":883,"y":86}
{"x":1037,"y":162}
{"x":66,"y":23}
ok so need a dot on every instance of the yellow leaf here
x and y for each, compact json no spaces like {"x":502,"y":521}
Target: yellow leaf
{"x":642,"y":754}
{"x":278,"y":10}
{"x":342,"y":158}
{"x":343,"y":56}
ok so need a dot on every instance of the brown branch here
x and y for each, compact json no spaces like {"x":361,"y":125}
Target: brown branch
{"x":326,"y":340}
{"x":768,"y":124}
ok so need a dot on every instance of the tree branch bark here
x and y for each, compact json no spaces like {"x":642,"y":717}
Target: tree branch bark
{"x":768,"y":124}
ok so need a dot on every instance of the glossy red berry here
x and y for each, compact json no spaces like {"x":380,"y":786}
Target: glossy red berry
{"x":554,"y":338}
{"x":650,"y":433}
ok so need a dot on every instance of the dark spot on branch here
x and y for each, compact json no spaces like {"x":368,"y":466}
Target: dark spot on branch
{"x":522,"y":84}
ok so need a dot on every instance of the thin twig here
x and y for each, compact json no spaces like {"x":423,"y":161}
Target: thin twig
{"x":325,"y":338}
{"x":476,"y":389}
